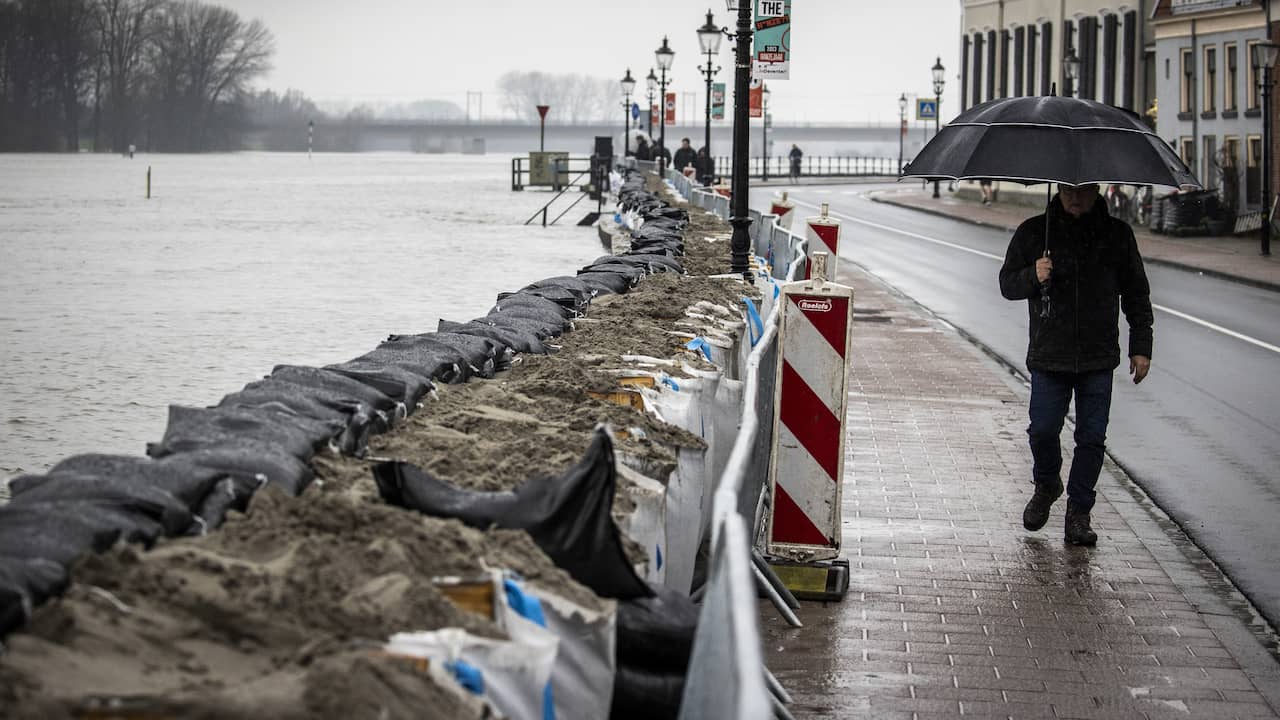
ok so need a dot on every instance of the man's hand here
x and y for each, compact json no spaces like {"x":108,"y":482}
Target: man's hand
{"x":1044,"y":266}
{"x":1138,"y":367}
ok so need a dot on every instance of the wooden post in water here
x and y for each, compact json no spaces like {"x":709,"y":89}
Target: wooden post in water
{"x":148,"y":182}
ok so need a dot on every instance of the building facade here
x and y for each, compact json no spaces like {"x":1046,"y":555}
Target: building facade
{"x":1012,"y":48}
{"x":1210,"y":105}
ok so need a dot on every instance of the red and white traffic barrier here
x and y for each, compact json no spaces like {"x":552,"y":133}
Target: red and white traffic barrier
{"x":810,"y":401}
{"x":823,"y":234}
{"x":784,"y":209}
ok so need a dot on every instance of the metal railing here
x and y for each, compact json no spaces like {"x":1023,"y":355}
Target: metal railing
{"x":521,"y":172}
{"x":814,"y":166}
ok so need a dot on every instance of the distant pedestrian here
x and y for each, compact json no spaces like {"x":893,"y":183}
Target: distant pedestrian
{"x":659,"y":151}
{"x":642,"y":148}
{"x":987,"y":194}
{"x":706,"y":166}
{"x":795,"y":155}
{"x":1075,"y":285}
{"x":685,"y":156}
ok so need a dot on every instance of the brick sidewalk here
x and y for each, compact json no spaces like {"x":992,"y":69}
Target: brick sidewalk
{"x":1230,"y":257}
{"x":955,"y":610}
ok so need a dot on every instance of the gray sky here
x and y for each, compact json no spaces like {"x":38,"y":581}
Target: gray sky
{"x":852,"y":58}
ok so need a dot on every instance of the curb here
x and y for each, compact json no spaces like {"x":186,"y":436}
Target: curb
{"x":1187,"y":267}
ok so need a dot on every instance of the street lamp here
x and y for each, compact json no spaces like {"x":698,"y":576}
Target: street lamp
{"x":652,"y":81}
{"x":664,"y":55}
{"x":764,"y":132}
{"x":1071,"y":71}
{"x":902,"y":126}
{"x":740,"y":244}
{"x":939,"y":81}
{"x":628,"y":86}
{"x":709,"y":40}
{"x":1264,"y":57}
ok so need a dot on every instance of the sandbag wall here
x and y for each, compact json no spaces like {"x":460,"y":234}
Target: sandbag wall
{"x":269,"y":435}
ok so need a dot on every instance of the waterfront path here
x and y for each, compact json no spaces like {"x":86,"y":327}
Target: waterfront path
{"x":954,"y":610}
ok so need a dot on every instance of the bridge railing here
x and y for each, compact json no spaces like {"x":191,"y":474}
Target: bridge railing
{"x":814,"y":166}
{"x":578,"y":167}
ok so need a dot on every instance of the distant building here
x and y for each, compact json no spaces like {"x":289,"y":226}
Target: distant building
{"x":1013,"y":48}
{"x":1210,"y":105}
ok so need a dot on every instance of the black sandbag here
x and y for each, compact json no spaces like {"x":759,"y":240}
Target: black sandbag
{"x":564,"y":296}
{"x":517,"y":340}
{"x":525,"y":297}
{"x":657,"y":262}
{"x":564,"y":281}
{"x":599,"y":286}
{"x":674,"y":248}
{"x":63,"y":531}
{"x":521,"y":316}
{"x":552,"y":318}
{"x":255,"y":463}
{"x":195,"y":428}
{"x":484,"y":355}
{"x":184,"y":480}
{"x":336,"y":382}
{"x":616,"y":282}
{"x":438,"y":362}
{"x":24,"y":584}
{"x":633,"y":273}
{"x":230,"y":493}
{"x":657,"y":632}
{"x":121,"y":492}
{"x":352,"y":421}
{"x":569,"y":517}
{"x":399,"y":384}
{"x":643,"y":694}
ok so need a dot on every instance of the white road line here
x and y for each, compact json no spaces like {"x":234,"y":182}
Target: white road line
{"x":1176,"y":313}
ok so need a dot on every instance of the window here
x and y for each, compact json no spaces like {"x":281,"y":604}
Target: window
{"x":1229,"y":161}
{"x":1210,"y":156}
{"x":1251,"y":77}
{"x":1187,"y":150}
{"x":1209,"y":101}
{"x":1230,"y":78}
{"x":1187,"y":67}
{"x":1253,"y":171}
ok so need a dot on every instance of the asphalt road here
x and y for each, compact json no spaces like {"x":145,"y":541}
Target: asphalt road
{"x":1201,"y":434}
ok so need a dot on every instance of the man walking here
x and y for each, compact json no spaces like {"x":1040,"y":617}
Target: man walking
{"x":685,"y":156}
{"x":795,"y":155}
{"x":1075,"y":285}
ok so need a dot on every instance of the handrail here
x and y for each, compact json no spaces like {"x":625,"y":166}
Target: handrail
{"x":566,"y":188}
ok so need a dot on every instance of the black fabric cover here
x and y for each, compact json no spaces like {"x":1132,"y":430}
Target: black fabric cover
{"x":400,"y":384}
{"x":335,"y":382}
{"x":517,"y":340}
{"x":656,"y":632}
{"x":567,"y":516}
{"x":196,"y":428}
{"x":644,"y":694}
{"x":24,"y":584}
{"x":184,"y":480}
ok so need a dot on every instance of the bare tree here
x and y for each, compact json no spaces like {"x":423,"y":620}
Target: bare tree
{"x":124,"y":29}
{"x":574,"y":98}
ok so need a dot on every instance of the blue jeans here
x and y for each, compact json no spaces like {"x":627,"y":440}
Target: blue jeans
{"x":1050,"y":394}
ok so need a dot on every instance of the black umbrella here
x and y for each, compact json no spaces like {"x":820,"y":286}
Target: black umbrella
{"x":1050,"y":139}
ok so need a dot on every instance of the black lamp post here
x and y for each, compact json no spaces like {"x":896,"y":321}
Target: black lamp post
{"x":709,"y":40}
{"x":740,"y":245}
{"x":628,"y":87}
{"x":939,"y":81}
{"x":1264,"y":57}
{"x":652,"y":81}
{"x":764,"y":132}
{"x":664,"y":55}
{"x":1070,"y":71}
{"x":902,"y":126}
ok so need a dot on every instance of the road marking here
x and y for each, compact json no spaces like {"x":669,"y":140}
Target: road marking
{"x":1176,"y":313}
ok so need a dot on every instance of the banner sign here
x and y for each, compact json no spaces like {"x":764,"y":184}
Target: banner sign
{"x":755,"y":98}
{"x":671,"y":108}
{"x":772,"y":58}
{"x":717,"y":101}
{"x":653,"y":117}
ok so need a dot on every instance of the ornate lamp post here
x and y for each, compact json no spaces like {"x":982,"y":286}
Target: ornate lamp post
{"x":1264,"y":57}
{"x":709,"y":40}
{"x":664,"y":55}
{"x":740,"y":219}
{"x":628,"y":86}
{"x":902,"y":126}
{"x":764,"y":132}
{"x":939,"y":81}
{"x":652,"y":81}
{"x":1070,"y":71}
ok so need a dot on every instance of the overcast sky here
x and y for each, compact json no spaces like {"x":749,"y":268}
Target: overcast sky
{"x":851,"y":58}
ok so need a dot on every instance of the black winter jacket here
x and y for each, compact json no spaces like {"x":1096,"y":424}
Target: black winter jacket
{"x":684,"y":156}
{"x":1097,"y":271}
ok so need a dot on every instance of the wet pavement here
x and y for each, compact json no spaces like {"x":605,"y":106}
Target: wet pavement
{"x":1231,"y":257}
{"x":955,"y":610}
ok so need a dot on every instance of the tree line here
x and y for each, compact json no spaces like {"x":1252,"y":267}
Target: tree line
{"x":163,"y":75}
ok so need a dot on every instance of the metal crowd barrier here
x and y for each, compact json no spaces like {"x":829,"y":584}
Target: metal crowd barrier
{"x":727,"y":677}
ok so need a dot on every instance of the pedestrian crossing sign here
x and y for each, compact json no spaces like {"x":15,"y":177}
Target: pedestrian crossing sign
{"x":926,"y":109}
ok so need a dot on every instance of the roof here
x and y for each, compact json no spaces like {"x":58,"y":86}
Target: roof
{"x":1177,"y":8}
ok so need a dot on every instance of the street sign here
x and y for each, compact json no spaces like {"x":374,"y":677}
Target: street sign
{"x":635,"y":111}
{"x":772,"y":41}
{"x":717,"y":101}
{"x":926,"y":109}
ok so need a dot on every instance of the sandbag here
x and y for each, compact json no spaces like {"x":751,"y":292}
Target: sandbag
{"x":517,"y":340}
{"x":598,"y":285}
{"x":62,"y":532}
{"x":186,"y":481}
{"x":564,"y":281}
{"x":434,"y":361}
{"x":230,"y":493}
{"x":114,"y":492}
{"x":616,"y":282}
{"x":24,"y":584}
{"x":561,"y":295}
{"x":254,"y":463}
{"x":643,"y":694}
{"x":399,"y":384}
{"x":335,"y":382}
{"x":656,"y":632}
{"x":352,"y":420}
{"x":196,"y":428}
{"x":569,"y":517}
{"x":526,"y":297}
{"x":527,"y":319}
